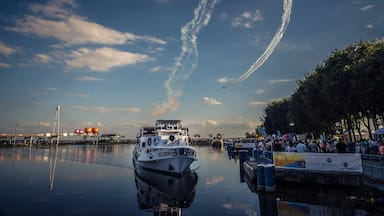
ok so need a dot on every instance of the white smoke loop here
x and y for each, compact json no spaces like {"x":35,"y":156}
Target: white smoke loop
{"x":285,"y":18}
{"x":186,"y":62}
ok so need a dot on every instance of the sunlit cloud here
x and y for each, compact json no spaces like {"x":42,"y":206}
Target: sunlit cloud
{"x":211,"y":122}
{"x":102,"y":59}
{"x":51,"y":89}
{"x":46,"y":91}
{"x":211,"y":101}
{"x":224,"y":80}
{"x":42,"y":58}
{"x":367,"y":8}
{"x":260,"y":91}
{"x":136,"y":124}
{"x":280,"y":81}
{"x":7,"y":50}
{"x":56,"y":19}
{"x":88,"y":78}
{"x":44,"y":124}
{"x":258,"y":103}
{"x":54,"y":8}
{"x":264,"y":103}
{"x":79,"y":95}
{"x":101,"y":109}
{"x":163,"y":1}
{"x":228,"y":128}
{"x":5,"y":65}
{"x":247,"y":19}
{"x":155,"y":69}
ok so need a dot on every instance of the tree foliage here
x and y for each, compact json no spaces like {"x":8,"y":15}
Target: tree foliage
{"x":343,"y":92}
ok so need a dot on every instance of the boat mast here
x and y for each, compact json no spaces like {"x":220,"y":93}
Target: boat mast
{"x":56,"y":124}
{"x":53,"y":159}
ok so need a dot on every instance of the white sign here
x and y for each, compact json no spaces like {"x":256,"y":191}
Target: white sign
{"x":344,"y":162}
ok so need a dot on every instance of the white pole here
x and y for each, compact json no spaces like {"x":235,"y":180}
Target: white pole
{"x":58,"y":124}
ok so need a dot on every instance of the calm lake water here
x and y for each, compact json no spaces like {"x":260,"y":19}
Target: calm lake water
{"x":100,"y":180}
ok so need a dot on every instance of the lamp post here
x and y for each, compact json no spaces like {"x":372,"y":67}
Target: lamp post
{"x":292,"y":125}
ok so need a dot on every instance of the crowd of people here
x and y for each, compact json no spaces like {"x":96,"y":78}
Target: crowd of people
{"x":371,"y":146}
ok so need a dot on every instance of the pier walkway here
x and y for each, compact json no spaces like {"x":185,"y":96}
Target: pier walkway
{"x":321,"y":168}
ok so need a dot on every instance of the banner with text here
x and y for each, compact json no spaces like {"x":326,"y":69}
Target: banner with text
{"x":319,"y":161}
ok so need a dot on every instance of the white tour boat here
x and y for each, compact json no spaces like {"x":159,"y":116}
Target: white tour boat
{"x":165,"y":147}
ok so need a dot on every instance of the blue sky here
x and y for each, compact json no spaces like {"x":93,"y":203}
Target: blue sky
{"x":118,"y":65}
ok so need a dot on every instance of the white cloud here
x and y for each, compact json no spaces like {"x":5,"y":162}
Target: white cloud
{"x":280,"y":81}
{"x":258,"y":103}
{"x":247,"y":19}
{"x":51,"y":89}
{"x":5,"y":65}
{"x":79,"y":95}
{"x":370,"y":26}
{"x":260,"y":91}
{"x":367,"y":8}
{"x":70,"y":31}
{"x":224,"y":80}
{"x":44,"y":124}
{"x":163,"y":1}
{"x":211,"y":101}
{"x":46,"y":91}
{"x":56,"y":19}
{"x":54,"y":8}
{"x":88,"y":78}
{"x":211,"y":122}
{"x":7,"y":50}
{"x":101,"y":109}
{"x":102,"y":59}
{"x":155,"y":69}
{"x":228,"y":128}
{"x":43,"y":58}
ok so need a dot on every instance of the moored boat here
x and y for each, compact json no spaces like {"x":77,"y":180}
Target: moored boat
{"x":165,"y":147}
{"x":241,"y":144}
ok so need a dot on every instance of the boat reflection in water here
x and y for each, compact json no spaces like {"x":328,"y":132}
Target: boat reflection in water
{"x":165,"y":194}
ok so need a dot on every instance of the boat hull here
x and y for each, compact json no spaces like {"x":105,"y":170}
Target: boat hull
{"x":175,"y":164}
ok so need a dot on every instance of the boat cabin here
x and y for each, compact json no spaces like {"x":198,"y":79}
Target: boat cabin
{"x":168,"y":125}
{"x":147,"y":131}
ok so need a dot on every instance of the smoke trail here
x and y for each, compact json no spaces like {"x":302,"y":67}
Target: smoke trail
{"x":287,"y":6}
{"x":186,"y":62}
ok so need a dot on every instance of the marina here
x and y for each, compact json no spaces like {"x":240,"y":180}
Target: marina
{"x":101,"y":179}
{"x":201,"y":107}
